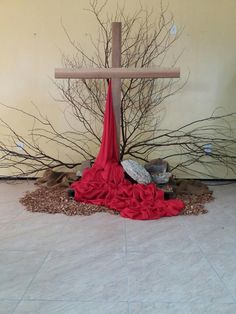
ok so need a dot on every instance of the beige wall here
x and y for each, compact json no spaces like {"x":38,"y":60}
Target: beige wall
{"x":32,"y":40}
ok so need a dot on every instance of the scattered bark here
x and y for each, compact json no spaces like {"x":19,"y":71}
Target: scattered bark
{"x":195,"y":204}
{"x":56,"y":200}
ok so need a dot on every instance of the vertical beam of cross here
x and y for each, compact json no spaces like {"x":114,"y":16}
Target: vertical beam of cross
{"x":116,"y":82}
{"x":116,"y":73}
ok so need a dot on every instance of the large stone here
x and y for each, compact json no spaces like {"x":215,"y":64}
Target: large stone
{"x":85,"y":164}
{"x":136,"y":171}
{"x":157,"y":166}
{"x":158,"y":169}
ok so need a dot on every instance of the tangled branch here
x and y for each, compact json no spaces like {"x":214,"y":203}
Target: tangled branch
{"x":146,"y":42}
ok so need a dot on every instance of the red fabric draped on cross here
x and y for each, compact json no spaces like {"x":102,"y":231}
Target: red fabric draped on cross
{"x":105,"y":184}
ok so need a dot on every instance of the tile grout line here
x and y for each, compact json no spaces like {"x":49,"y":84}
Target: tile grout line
{"x":221,"y":280}
{"x":109,"y":302}
{"x":28,"y":286}
{"x":17,"y":303}
{"x":214,"y":270}
{"x":210,"y":264}
{"x":126,"y":262}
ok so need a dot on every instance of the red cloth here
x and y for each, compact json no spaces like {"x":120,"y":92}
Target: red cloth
{"x":105,"y":184}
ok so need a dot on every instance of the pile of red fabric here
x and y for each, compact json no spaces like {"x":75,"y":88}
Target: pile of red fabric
{"x":105,"y":184}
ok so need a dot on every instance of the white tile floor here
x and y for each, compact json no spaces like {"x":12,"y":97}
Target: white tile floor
{"x":109,"y":265}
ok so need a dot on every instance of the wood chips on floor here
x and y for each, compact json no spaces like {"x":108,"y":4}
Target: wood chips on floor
{"x":56,"y":200}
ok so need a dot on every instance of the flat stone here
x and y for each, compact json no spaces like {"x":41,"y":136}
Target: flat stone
{"x":136,"y":171}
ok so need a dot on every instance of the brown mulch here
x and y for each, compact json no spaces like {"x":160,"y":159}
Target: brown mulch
{"x":195,"y":204}
{"x":56,"y":200}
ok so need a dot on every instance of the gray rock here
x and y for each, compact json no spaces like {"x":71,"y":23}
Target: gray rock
{"x":85,"y":164}
{"x":136,"y":171}
{"x":157,"y":166}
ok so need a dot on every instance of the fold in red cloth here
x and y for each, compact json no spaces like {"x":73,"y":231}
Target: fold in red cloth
{"x":105,"y":184}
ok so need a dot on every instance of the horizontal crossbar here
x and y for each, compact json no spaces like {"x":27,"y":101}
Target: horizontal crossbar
{"x":122,"y":73}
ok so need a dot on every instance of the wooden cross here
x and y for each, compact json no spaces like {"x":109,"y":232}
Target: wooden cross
{"x":116,"y":73}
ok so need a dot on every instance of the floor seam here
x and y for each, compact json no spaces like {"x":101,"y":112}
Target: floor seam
{"x":221,"y":280}
{"x":127,"y":269}
{"x":214,"y":270}
{"x":34,"y":276}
